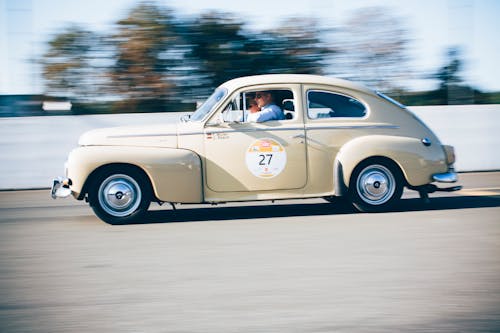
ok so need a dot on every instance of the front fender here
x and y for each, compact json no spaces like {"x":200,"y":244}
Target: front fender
{"x":417,"y":162}
{"x":175,"y":174}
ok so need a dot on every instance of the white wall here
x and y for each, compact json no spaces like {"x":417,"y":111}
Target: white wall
{"x":474,"y":131}
{"x":33,"y":149}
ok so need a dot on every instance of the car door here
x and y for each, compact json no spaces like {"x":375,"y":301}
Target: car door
{"x":243,"y":156}
{"x":333,"y":116}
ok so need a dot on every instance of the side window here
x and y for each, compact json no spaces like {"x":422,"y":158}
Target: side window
{"x":259,"y":101}
{"x":265,"y":105}
{"x":260,"y":106}
{"x":323,"y":104}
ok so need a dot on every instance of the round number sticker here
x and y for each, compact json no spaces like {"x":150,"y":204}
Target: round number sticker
{"x":266,"y":158}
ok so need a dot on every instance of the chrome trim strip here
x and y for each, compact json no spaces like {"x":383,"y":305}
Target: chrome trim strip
{"x":353,"y":127}
{"x":138,"y":135}
{"x":201,"y":133}
{"x":193,"y":133}
{"x":390,"y":99}
{"x":246,"y":130}
{"x":230,"y":130}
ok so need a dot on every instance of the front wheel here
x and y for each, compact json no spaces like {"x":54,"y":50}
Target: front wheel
{"x":120,"y":197}
{"x":375,"y":186}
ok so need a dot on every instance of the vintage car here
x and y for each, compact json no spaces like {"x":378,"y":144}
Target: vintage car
{"x":336,"y":139}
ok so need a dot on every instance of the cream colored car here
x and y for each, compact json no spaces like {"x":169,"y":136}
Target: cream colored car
{"x":334,"y":138}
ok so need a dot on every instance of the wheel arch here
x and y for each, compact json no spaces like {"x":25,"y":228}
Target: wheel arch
{"x":119,"y":167}
{"x":343,"y":180}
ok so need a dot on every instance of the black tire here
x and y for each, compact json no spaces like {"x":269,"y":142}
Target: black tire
{"x":120,"y":195}
{"x":376,"y":185}
{"x":331,"y":199}
{"x":341,"y":200}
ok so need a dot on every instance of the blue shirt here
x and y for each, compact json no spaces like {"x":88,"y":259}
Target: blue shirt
{"x":268,"y":112}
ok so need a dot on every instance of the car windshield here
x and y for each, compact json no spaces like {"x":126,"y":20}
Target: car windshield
{"x":206,"y":107}
{"x":391,"y":100}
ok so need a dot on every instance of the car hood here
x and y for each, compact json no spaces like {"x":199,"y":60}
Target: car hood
{"x":164,"y":135}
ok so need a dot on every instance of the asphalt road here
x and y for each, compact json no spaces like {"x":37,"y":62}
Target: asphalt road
{"x":291,"y":266}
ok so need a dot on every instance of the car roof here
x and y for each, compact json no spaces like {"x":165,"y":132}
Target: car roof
{"x":294,"y":78}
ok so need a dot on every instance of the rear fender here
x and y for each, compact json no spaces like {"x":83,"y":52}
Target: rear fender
{"x":416,"y":161}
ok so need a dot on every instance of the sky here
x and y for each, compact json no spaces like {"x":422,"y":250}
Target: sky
{"x":434,"y":25}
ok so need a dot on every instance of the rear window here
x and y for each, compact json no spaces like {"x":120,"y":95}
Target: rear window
{"x":325,"y":104}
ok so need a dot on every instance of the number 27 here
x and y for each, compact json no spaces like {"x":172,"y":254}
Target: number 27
{"x":263,"y":159}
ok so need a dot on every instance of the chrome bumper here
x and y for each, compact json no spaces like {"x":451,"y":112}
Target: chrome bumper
{"x":448,"y":177}
{"x":60,"y":188}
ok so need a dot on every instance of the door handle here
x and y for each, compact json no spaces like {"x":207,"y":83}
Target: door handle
{"x":299,"y":136}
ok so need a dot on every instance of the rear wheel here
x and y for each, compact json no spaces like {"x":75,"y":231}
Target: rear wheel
{"x":120,"y":196}
{"x":376,"y":185}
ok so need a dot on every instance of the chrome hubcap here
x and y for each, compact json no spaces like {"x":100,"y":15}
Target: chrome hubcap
{"x":119,"y":195}
{"x":376,"y":184}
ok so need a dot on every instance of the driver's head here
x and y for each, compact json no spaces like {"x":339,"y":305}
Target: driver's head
{"x":263,"y":98}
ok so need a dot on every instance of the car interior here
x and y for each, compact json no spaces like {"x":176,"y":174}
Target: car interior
{"x":282,"y":97}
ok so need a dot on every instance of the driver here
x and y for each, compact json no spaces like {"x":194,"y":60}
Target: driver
{"x":268,"y":110}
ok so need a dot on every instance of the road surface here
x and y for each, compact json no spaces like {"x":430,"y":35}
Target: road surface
{"x":291,"y":266}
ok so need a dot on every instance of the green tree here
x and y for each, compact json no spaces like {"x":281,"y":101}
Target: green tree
{"x":449,"y":74}
{"x":67,"y":66}
{"x":452,"y":88}
{"x":222,"y":48}
{"x":296,"y":46}
{"x":216,"y":52}
{"x":144,"y":49}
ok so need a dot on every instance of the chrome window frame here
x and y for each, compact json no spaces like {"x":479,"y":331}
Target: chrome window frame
{"x":390,"y":99}
{"x":367,"y":109}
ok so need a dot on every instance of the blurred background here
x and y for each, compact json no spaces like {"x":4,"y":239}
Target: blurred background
{"x":74,"y":57}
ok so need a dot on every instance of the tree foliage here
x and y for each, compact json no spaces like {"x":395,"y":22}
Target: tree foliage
{"x":216,"y":50}
{"x":155,"y":61}
{"x":67,"y":67}
{"x":140,"y":72}
{"x":449,"y":74}
{"x":451,"y":87}
{"x":296,"y":46}
{"x":223,"y":49}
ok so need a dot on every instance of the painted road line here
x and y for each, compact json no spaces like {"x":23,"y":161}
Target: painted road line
{"x":485,"y":191}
